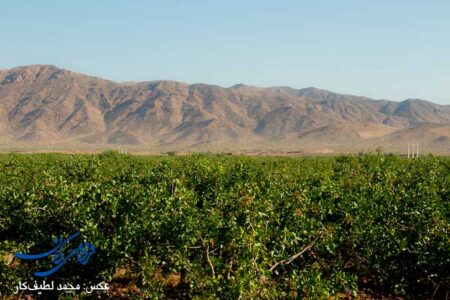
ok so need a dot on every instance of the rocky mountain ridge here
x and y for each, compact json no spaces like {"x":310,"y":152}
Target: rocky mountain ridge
{"x":43,"y":103}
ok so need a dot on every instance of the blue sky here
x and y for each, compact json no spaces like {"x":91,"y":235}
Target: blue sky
{"x":381,"y":49}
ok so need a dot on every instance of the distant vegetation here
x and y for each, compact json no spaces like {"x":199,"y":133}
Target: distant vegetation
{"x":226,"y":227}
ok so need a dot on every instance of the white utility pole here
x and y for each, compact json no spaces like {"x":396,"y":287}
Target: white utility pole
{"x":413,"y":151}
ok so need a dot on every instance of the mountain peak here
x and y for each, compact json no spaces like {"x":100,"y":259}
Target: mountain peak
{"x":27,"y":74}
{"x":238,"y":86}
{"x":34,"y":68}
{"x":314,"y":92}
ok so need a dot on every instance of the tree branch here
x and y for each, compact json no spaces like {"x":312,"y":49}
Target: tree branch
{"x":295,"y":256}
{"x":209,"y":262}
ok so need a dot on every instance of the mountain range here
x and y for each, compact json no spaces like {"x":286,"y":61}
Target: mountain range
{"x":42,"y":105}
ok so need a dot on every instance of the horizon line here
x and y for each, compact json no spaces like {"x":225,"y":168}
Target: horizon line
{"x":124,"y":82}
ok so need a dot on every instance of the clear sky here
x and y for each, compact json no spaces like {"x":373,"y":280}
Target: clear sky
{"x":382,"y":49}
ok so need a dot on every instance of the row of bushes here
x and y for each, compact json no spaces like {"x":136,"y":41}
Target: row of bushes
{"x":208,"y":226}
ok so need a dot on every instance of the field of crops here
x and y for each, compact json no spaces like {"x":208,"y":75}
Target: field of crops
{"x":211,"y":226}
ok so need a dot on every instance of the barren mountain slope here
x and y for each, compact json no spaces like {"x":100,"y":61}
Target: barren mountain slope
{"x":46,"y":104}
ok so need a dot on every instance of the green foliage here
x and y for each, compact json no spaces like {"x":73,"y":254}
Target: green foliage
{"x":206,"y":226}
